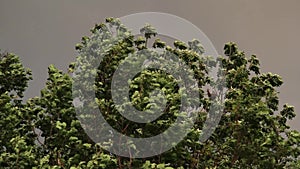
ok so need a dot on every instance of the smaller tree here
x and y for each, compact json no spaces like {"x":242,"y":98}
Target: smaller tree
{"x":17,"y":137}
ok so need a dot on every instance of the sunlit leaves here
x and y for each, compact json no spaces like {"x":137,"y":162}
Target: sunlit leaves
{"x":17,"y":149}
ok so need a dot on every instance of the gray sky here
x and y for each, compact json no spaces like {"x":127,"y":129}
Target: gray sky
{"x":45,"y":32}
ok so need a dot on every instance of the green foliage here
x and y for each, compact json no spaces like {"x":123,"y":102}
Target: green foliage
{"x":17,"y":148}
{"x":251,"y":133}
{"x":13,"y":76}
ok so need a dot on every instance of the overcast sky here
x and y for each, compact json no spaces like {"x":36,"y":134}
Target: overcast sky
{"x":45,"y":32}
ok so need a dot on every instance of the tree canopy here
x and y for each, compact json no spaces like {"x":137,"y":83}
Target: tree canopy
{"x":45,"y":132}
